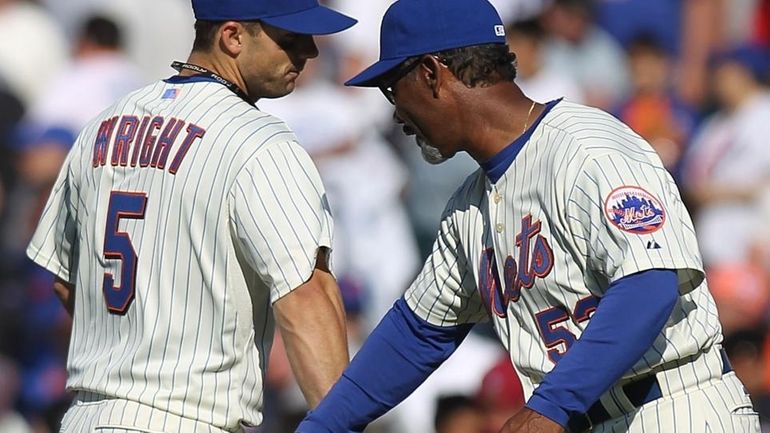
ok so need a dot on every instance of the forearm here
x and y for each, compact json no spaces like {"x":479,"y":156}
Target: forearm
{"x":406,"y":350}
{"x":66,"y":294}
{"x":311,"y":320}
{"x":610,"y":345}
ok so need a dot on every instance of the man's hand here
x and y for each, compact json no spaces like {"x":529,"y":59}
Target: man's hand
{"x":528,"y":421}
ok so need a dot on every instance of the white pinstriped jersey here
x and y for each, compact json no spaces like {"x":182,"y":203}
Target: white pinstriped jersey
{"x":180,"y":215}
{"x":585,"y":202}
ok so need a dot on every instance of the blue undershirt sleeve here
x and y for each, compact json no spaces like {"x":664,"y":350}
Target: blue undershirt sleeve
{"x":401,"y":352}
{"x":625,"y":324}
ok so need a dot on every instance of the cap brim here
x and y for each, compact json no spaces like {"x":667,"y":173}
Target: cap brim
{"x":318,"y":20}
{"x":370,"y":76}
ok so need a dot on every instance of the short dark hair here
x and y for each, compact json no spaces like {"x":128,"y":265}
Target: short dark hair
{"x":206,"y":32}
{"x":480,"y":64}
{"x":102,"y":31}
{"x":474,"y":65}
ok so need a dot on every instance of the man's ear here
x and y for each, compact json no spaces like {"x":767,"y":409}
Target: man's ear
{"x":231,"y":34}
{"x":434,"y":73}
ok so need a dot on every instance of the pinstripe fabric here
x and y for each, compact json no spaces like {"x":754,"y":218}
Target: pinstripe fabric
{"x":231,"y":224}
{"x":694,"y":395}
{"x":95,"y":413}
{"x":718,"y":405}
{"x":557,"y":186}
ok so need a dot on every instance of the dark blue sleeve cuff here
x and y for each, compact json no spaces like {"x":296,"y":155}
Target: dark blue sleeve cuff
{"x":312,"y":425}
{"x":548,"y":409}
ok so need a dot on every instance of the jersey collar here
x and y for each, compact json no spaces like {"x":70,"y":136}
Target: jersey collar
{"x":498,"y":164}
{"x":181,"y":79}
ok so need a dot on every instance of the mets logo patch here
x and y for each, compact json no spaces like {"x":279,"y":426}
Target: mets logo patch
{"x":634,"y":210}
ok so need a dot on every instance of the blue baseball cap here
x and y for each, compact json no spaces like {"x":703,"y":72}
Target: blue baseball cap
{"x":415,"y":27}
{"x":297,"y":16}
{"x":754,"y":58}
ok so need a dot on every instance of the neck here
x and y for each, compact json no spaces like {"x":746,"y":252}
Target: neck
{"x":226,"y":69}
{"x":498,"y":115}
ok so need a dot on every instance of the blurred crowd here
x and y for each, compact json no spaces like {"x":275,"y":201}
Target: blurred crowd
{"x":690,"y":76}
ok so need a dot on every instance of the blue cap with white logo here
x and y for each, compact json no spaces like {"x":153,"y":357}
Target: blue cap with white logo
{"x":297,"y":16}
{"x":415,"y":27}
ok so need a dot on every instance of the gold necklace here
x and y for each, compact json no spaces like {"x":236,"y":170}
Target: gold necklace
{"x":529,"y":113}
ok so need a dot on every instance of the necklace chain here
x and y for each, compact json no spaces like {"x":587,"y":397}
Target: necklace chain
{"x":529,"y":113}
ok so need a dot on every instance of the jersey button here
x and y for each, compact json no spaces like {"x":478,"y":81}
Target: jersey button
{"x":499,"y":227}
{"x":498,"y":197}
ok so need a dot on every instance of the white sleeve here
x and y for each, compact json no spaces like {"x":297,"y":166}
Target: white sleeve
{"x":445,"y":292}
{"x":628,"y":216}
{"x":280,"y":216}
{"x":54,"y":244}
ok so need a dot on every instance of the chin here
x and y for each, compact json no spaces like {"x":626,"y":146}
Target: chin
{"x":281,"y":94}
{"x":430,"y":153}
{"x":290,"y":86}
{"x":276,"y":91}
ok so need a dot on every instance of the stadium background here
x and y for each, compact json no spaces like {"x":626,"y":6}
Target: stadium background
{"x":690,"y":76}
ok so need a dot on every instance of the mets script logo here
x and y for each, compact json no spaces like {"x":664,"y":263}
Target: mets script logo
{"x":634,"y":210}
{"x":535,"y":261}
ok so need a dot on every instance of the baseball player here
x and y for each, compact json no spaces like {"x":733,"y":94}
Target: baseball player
{"x":571,"y":238}
{"x":184,"y":223}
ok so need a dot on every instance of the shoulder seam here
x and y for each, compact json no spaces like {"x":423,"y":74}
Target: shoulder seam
{"x":257,"y":152}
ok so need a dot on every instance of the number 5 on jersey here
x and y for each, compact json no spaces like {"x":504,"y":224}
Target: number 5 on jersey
{"x":117,"y":245}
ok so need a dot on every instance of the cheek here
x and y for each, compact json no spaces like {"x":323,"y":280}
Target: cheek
{"x":439,"y":128}
{"x":414,"y":112}
{"x":416,"y":120}
{"x":439,"y":131}
{"x":426,"y":115}
{"x":263,"y":64}
{"x":251,"y":65}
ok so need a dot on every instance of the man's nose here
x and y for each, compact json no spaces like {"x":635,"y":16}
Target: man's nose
{"x":308,"y":48}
